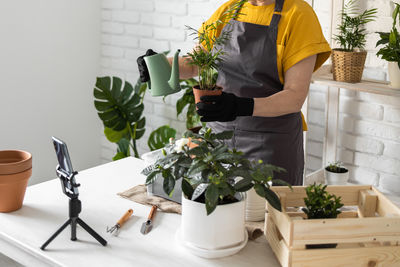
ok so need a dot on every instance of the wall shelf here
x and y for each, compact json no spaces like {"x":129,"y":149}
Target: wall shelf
{"x":368,"y":86}
{"x":324,"y":77}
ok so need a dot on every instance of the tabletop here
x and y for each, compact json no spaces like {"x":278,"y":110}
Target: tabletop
{"x":45,"y":209}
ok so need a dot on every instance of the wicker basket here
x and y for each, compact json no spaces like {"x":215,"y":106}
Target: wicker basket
{"x":348,"y":66}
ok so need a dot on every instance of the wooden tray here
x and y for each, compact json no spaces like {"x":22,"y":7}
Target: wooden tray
{"x":367,"y":232}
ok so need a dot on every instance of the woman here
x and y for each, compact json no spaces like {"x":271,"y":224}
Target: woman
{"x":275,"y":46}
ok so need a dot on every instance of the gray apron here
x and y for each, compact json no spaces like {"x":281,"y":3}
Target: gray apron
{"x":249,"y":69}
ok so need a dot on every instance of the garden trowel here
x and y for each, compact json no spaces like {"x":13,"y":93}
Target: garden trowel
{"x":148,"y":225}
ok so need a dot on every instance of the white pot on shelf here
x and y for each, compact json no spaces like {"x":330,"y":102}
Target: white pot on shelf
{"x":224,"y":228}
{"x":333,"y":178}
{"x":394,"y":75}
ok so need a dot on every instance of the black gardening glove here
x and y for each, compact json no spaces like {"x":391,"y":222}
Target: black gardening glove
{"x":143,"y":71}
{"x":224,"y":107}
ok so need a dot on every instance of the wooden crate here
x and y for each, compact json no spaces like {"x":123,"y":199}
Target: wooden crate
{"x":367,"y":232}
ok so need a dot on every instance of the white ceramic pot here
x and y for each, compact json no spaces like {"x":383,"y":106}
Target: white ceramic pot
{"x":223,"y":228}
{"x":255,"y":207}
{"x":394,"y":75}
{"x":333,"y":178}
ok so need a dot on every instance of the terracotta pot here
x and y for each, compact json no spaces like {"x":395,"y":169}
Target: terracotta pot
{"x":15,"y":171}
{"x":199,"y":93}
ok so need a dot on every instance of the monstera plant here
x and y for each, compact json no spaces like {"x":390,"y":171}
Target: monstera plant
{"x":120,"y":107}
{"x":160,"y":137}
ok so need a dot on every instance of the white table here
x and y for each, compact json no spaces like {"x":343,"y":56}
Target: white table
{"x":46,"y":209}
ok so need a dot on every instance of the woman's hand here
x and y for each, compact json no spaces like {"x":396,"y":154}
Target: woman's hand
{"x":224,"y":107}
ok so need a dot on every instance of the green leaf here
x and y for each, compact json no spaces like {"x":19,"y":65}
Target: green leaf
{"x":199,"y":190}
{"x":211,"y":198}
{"x":223,"y":136}
{"x":115,"y":136}
{"x":197,"y":168}
{"x":123,"y":146}
{"x":272,"y":199}
{"x":168,"y":184}
{"x":243,"y":185}
{"x":160,"y":137}
{"x":152,"y":177}
{"x":187,"y":189}
{"x":119,"y":156}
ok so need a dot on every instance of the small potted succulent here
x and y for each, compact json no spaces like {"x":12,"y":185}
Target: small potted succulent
{"x":348,"y":60}
{"x":321,"y":205}
{"x":206,"y":57}
{"x":213,"y":181}
{"x":336,"y":174}
{"x":391,"y":50}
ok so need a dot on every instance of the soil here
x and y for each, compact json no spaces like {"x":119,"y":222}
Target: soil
{"x":341,"y":170}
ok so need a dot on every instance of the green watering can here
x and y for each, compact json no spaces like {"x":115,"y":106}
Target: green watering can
{"x":164,"y":80}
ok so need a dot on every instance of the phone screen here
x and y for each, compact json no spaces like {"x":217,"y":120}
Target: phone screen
{"x":62,"y":155}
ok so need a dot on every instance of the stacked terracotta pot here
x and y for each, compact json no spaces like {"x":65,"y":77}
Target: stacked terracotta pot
{"x":15,"y":171}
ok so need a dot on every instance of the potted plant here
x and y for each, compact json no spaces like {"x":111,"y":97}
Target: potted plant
{"x":213,"y":180}
{"x":15,"y":171}
{"x":348,"y":60}
{"x":206,"y":57}
{"x":336,"y":174}
{"x":391,"y":51}
{"x":321,"y":205}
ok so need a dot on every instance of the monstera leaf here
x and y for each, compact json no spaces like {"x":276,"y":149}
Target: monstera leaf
{"x":119,"y":106}
{"x":160,"y":137}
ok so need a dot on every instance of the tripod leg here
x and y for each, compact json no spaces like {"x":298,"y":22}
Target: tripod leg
{"x":73,"y":229}
{"x":43,"y":247}
{"x":91,"y":232}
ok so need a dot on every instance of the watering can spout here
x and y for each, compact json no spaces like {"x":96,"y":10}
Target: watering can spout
{"x":174,"y":79}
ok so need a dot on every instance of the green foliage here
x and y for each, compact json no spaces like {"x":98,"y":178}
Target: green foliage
{"x":187,"y":100}
{"x":210,"y":171}
{"x":160,"y":137}
{"x":391,"y":40}
{"x":120,"y":107}
{"x":352,"y":30}
{"x":206,"y":58}
{"x":320,"y":204}
{"x":336,"y":167}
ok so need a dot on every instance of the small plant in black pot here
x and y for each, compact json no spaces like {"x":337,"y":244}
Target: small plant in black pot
{"x":336,"y":174}
{"x":321,"y":205}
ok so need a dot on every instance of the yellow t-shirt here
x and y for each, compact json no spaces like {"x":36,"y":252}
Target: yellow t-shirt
{"x":299,"y":32}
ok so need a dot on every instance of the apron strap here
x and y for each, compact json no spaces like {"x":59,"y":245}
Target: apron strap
{"x":277,"y":14}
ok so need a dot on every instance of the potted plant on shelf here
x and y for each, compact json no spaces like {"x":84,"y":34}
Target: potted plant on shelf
{"x":391,"y":51}
{"x":213,"y":180}
{"x":348,"y":60}
{"x":321,"y":205}
{"x":336,"y":174}
{"x":205,"y":57}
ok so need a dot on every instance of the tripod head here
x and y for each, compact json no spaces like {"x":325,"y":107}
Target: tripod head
{"x":68,"y":183}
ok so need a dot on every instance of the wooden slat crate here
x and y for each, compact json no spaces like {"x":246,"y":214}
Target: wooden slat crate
{"x":367,"y":232}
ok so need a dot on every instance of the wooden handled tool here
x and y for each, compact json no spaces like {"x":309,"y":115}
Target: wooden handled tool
{"x":148,"y":225}
{"x":120,"y":222}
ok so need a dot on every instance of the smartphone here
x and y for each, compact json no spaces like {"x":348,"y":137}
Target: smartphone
{"x":64,"y":160}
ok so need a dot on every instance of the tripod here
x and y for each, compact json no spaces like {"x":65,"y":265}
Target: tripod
{"x":70,"y":188}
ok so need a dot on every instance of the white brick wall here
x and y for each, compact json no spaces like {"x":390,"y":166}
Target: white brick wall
{"x":369,"y":137}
